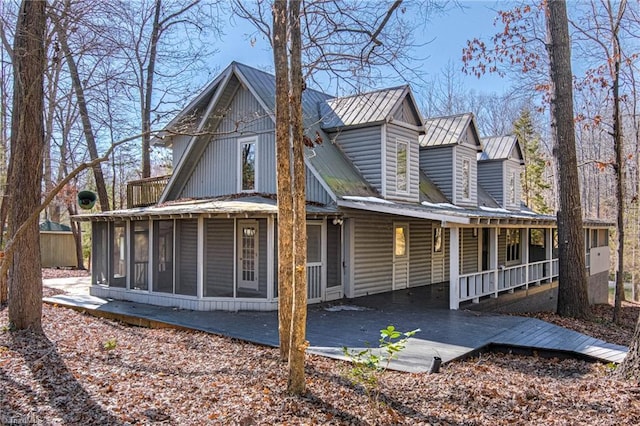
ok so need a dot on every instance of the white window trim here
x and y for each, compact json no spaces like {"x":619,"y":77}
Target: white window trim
{"x":407,"y":167}
{"x":241,"y":142}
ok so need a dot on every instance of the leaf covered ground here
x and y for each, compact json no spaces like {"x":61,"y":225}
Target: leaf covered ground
{"x":86,"y":370}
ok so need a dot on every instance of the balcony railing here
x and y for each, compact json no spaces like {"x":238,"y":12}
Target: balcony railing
{"x":145,"y":192}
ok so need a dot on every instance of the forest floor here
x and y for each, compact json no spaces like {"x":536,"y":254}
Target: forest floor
{"x":86,"y":370}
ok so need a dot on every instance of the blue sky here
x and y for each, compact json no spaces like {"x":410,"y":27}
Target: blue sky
{"x":447,"y":34}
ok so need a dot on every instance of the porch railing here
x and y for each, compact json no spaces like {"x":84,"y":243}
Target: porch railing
{"x":485,"y":283}
{"x":145,"y":192}
{"x":314,"y":281}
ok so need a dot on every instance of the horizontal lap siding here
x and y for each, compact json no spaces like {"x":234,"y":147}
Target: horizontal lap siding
{"x":219,"y":257}
{"x":491,"y":179}
{"x":395,"y":133}
{"x":437,"y":163}
{"x":469,"y":252}
{"x":373,"y":255}
{"x":419,"y":253}
{"x":363,"y":148}
{"x":217,"y":170}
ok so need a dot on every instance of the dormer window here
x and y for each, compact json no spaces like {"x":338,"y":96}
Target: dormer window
{"x":466,"y":179}
{"x":512,"y":188}
{"x":247,"y":166}
{"x":402,"y":166}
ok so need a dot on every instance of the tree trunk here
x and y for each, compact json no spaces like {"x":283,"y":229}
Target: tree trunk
{"x":27,"y":142}
{"x":148,"y":91}
{"x":572,"y":290}
{"x":618,"y":144}
{"x":296,"y":384}
{"x":283,"y":172}
{"x":630,"y":367}
{"x":101,"y":187}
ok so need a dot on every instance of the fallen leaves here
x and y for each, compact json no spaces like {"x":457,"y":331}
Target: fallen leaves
{"x":180,"y":377}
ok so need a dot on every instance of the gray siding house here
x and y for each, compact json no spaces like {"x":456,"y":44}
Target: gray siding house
{"x":394,"y":202}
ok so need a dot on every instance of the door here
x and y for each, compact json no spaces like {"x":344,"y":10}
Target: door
{"x":400,"y":256}
{"x":486,"y":238}
{"x":248,"y":255}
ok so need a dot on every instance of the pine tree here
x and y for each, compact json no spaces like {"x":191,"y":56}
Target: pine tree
{"x":533,"y":183}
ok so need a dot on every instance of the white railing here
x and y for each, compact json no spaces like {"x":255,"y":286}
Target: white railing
{"x":314,"y":281}
{"x":476,"y":285}
{"x":485,"y":283}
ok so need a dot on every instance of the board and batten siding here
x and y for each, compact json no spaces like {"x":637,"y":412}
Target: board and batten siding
{"x":363,"y":147}
{"x":465,"y":152}
{"x":468,"y":252}
{"x":490,"y":176}
{"x":179,"y":145}
{"x":420,"y":248}
{"x":397,"y":134}
{"x":217,"y":170}
{"x":373,"y":254}
{"x":315,"y":190}
{"x":437,"y":163}
{"x":512,"y":167}
{"x":219,"y":257}
{"x":406,"y":114}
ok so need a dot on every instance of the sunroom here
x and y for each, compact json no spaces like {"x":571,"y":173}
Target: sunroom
{"x":208,"y":255}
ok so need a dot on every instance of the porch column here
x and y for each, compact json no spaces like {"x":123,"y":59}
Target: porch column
{"x":271,"y":247}
{"x":200,"y":267}
{"x":548,"y":252}
{"x":454,"y":268}
{"x":525,"y":255}
{"x":493,"y":258}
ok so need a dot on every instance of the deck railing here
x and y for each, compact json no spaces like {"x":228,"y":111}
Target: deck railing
{"x":145,"y":192}
{"x":485,"y":283}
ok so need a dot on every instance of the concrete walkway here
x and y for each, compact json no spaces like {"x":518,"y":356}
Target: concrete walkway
{"x":356,"y":324}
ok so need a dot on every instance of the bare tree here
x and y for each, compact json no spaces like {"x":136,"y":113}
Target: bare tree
{"x":25,"y":178}
{"x":572,"y":290}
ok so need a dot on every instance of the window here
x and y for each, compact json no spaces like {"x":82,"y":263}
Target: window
{"x":247,"y":165}
{"x":437,"y":240}
{"x":466,"y":177}
{"x":512,"y":188}
{"x":402,"y":161}
{"x":400,"y":243}
{"x":513,"y":245}
{"x":536,"y":237}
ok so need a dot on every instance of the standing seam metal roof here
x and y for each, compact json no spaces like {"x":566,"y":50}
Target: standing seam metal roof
{"x":443,"y":131}
{"x":498,"y":147}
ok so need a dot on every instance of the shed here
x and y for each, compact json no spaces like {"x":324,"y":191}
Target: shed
{"x":57,"y":245}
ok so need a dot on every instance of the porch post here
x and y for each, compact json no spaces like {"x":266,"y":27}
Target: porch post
{"x":525,"y":255}
{"x":454,"y":268}
{"x":271,"y":246}
{"x":493,"y":258}
{"x":200,"y":268}
{"x":548,"y":252}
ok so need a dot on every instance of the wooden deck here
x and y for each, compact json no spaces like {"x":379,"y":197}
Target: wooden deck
{"x":356,"y":323}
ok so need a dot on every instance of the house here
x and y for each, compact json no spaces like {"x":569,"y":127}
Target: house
{"x":394,"y":202}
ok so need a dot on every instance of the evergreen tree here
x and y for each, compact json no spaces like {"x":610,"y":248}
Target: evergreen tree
{"x":533,"y":183}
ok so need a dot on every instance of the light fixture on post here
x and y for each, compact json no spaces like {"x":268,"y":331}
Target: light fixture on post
{"x":337,"y":221}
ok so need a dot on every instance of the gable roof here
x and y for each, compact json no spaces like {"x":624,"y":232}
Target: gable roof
{"x":449,"y":130}
{"x":47,"y":225}
{"x":501,"y":148}
{"x":367,"y":108}
{"x":325,"y":161}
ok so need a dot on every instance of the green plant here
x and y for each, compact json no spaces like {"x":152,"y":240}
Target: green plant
{"x":369,"y":365}
{"x":110,"y":344}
